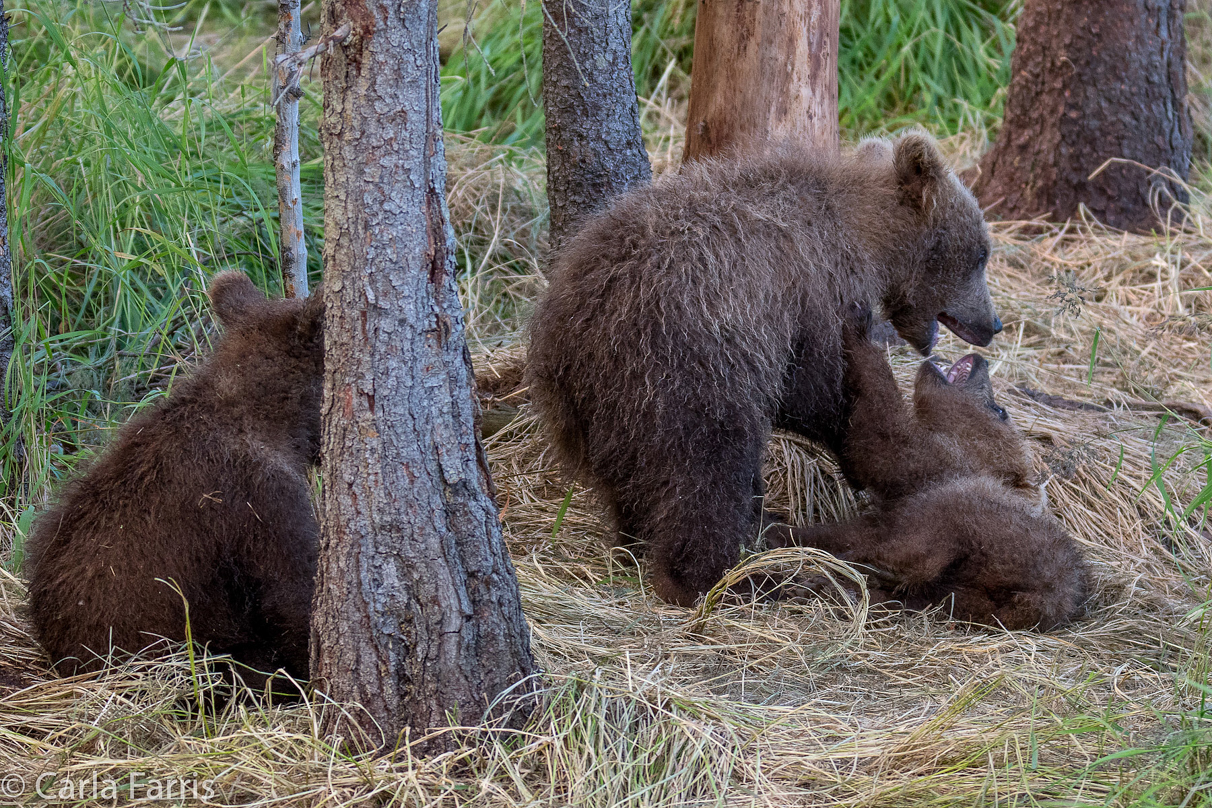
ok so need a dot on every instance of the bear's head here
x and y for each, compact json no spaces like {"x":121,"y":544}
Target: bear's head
{"x":944,"y":249}
{"x":270,"y":359}
{"x":960,"y":404}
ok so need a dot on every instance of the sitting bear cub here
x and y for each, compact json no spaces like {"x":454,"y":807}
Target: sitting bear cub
{"x":207,"y":491}
{"x":692,"y":316}
{"x":956,"y":519}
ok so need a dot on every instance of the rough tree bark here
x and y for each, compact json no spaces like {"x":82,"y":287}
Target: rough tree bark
{"x":292,"y":248}
{"x":594,"y":146}
{"x":763,"y":72}
{"x":7,"y":336}
{"x":1092,"y":81}
{"x":417,"y":615}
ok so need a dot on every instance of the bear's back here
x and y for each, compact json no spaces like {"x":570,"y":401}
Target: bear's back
{"x":710,"y":274}
{"x":152,"y":514}
{"x":754,"y":225}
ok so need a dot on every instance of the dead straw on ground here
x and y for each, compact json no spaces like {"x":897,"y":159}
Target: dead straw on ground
{"x":1104,"y":363}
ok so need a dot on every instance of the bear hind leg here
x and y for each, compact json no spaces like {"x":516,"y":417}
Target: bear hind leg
{"x":702,"y":515}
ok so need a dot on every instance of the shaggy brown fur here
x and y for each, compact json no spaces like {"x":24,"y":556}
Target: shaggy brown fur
{"x":208,"y":490}
{"x":957,"y":519}
{"x":692,"y":315}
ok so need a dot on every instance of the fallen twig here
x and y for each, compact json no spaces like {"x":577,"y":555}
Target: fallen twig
{"x":1197,"y":413}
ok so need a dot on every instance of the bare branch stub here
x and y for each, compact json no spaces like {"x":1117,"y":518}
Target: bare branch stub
{"x":290,"y":65}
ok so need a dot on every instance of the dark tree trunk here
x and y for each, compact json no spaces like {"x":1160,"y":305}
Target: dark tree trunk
{"x":763,"y":71}
{"x":1093,"y":80}
{"x":417,"y":615}
{"x":595,"y":150}
{"x":7,"y":336}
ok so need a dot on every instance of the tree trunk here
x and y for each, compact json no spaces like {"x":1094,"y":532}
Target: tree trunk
{"x":417,"y":615}
{"x":1092,"y":81}
{"x":7,"y":335}
{"x":763,"y":72}
{"x":595,"y":150}
{"x":291,"y":248}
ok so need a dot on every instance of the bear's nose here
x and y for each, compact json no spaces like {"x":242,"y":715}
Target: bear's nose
{"x":997,"y":324}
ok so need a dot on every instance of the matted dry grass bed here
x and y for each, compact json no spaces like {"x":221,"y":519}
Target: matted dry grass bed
{"x":772,"y":704}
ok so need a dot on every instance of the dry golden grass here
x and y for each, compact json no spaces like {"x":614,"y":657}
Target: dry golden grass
{"x":769,"y":704}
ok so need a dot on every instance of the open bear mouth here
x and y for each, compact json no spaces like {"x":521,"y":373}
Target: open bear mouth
{"x":961,"y":370}
{"x":961,"y":329}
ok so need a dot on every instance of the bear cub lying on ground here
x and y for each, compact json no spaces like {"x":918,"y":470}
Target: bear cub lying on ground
{"x":692,"y":316}
{"x":206,"y":491}
{"x":956,"y":520}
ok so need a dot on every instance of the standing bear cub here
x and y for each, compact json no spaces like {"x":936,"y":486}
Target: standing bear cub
{"x":692,"y":316}
{"x":207,"y":492}
{"x":957,"y":520}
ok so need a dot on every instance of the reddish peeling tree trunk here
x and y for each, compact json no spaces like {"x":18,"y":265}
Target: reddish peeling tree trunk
{"x":595,"y":150}
{"x":417,"y":615}
{"x":1093,"y":81}
{"x":763,"y":71}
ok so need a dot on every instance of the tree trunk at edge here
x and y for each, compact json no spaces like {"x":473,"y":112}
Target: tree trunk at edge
{"x":7,"y":335}
{"x":595,"y":150}
{"x":1092,"y":81}
{"x":417,"y":613}
{"x":763,"y":72}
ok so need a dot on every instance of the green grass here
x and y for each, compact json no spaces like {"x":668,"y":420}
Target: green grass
{"x":492,"y":82}
{"x":1175,"y":770}
{"x":133,"y":177}
{"x":940,"y":63}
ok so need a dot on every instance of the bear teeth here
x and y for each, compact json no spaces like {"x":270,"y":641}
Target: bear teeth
{"x":960,"y":371}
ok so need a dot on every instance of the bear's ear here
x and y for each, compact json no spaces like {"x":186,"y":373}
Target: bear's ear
{"x":874,"y":149}
{"x":311,"y":318}
{"x":233,"y":297}
{"x":920,"y":171}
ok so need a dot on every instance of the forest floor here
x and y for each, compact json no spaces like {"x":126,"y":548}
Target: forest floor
{"x":778,"y":704}
{"x":1105,"y":363}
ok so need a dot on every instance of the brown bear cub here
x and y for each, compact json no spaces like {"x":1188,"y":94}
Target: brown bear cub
{"x":956,"y":520}
{"x":692,"y":316}
{"x":208,"y":492}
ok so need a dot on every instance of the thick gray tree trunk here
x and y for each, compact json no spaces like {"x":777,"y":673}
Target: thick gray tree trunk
{"x":417,"y":614}
{"x":292,"y":248}
{"x":7,"y":336}
{"x":1093,"y":81}
{"x":595,"y":150}
{"x":763,"y":72}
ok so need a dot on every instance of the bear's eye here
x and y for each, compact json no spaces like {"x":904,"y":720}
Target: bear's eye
{"x":982,"y":257}
{"x":999,"y":412}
